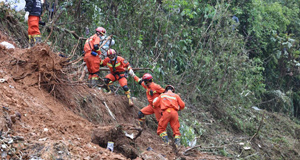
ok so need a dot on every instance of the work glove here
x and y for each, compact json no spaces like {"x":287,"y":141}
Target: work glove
{"x":26,"y":16}
{"x":151,"y":93}
{"x":131,"y":73}
{"x":94,"y":53}
{"x":140,"y":81}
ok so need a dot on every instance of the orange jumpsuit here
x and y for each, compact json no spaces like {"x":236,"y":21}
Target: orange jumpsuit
{"x":33,"y":26}
{"x":117,"y":69}
{"x":92,"y":62}
{"x":157,"y":90}
{"x":170,"y":103}
{"x":34,"y":8}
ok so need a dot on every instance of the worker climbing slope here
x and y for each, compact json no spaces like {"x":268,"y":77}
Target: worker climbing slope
{"x":92,"y":53}
{"x":33,"y":10}
{"x":153,"y":90}
{"x":170,"y":103}
{"x":118,"y":67}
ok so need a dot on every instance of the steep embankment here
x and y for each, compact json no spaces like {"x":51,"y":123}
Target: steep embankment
{"x":45,"y":114}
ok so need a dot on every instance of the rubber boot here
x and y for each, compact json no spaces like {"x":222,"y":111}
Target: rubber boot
{"x":30,"y":41}
{"x":89,"y":83}
{"x":164,"y":137}
{"x":94,"y":81}
{"x":107,"y":88}
{"x":37,"y":39}
{"x":141,"y":122}
{"x":130,"y":102}
{"x":177,"y":141}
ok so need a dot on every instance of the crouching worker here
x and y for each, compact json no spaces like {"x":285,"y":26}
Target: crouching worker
{"x":118,"y":67}
{"x":170,"y":103}
{"x":153,"y":90}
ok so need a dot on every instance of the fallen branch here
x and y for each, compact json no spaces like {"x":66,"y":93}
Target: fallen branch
{"x":111,"y":114}
{"x":216,"y":147}
{"x":74,"y":49}
{"x":74,"y":34}
{"x":139,"y":133}
{"x":74,"y":62}
{"x":261,"y":122}
{"x":52,"y":25}
{"x":184,"y":153}
{"x":251,"y":155}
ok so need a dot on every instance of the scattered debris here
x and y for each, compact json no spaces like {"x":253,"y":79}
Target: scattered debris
{"x":110,"y":146}
{"x":109,"y":111}
{"x":256,"y":108}
{"x":7,"y":45}
{"x":43,"y":139}
{"x":247,"y":147}
{"x":11,"y":147}
{"x":129,"y":135}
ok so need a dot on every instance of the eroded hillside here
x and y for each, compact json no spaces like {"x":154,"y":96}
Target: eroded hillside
{"x":44,"y":114}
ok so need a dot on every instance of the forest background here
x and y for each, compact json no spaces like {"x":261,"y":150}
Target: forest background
{"x":219,"y":64}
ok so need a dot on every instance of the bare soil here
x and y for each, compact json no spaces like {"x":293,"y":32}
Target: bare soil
{"x":45,"y":114}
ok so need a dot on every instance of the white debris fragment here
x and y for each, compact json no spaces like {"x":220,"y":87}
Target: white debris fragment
{"x":247,"y":147}
{"x":7,"y":45}
{"x":129,"y":135}
{"x":259,"y":145}
{"x":3,"y":146}
{"x":256,"y":108}
{"x":43,"y":139}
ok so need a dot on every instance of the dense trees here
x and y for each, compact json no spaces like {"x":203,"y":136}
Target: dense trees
{"x":199,"y":48}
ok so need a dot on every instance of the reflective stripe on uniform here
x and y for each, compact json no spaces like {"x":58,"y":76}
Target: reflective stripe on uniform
{"x":167,"y":96}
{"x":170,"y":109}
{"x":154,"y":100}
{"x":177,"y":136}
{"x":117,"y":65}
{"x":163,"y":134}
{"x":110,"y":65}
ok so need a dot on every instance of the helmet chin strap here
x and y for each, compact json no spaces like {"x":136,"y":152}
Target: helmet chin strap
{"x":114,"y":58}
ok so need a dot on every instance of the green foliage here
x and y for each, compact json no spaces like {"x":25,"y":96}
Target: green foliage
{"x":188,"y":127}
{"x":199,"y":49}
{"x":223,"y":152}
{"x":271,"y":29}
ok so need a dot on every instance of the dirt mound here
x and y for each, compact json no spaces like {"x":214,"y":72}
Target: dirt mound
{"x":37,"y":66}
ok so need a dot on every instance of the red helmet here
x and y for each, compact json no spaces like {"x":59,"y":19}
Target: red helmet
{"x":147,"y":77}
{"x":101,"y":30}
{"x":111,"y":53}
{"x":170,"y":87}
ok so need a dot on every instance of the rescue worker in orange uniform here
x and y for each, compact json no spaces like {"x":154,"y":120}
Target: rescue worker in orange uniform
{"x":118,"y":67}
{"x":170,"y":103}
{"x":33,"y":10}
{"x":153,"y":90}
{"x":91,"y":56}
